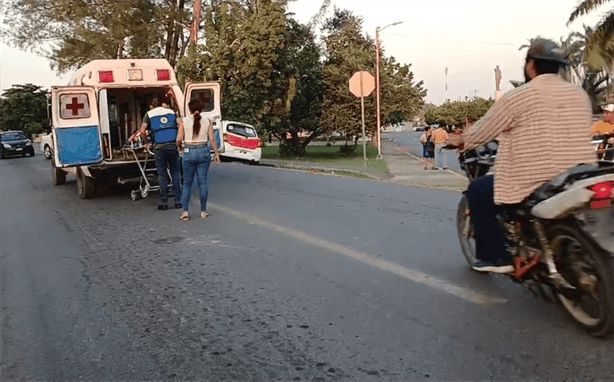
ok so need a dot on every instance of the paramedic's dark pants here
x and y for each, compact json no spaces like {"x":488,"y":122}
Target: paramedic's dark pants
{"x":168,"y":159}
{"x":489,"y":237}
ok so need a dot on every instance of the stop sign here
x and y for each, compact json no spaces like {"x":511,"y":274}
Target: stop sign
{"x":362,"y":84}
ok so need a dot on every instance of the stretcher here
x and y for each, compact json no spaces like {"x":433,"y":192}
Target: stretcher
{"x":145,"y":187}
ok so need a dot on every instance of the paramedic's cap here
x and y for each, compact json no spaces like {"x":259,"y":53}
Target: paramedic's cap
{"x":543,"y":49}
{"x":609,"y":108}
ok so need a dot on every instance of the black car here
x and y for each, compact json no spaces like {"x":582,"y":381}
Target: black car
{"x":15,"y":143}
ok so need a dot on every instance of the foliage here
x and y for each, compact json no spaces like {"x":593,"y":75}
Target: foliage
{"x":268,"y":65}
{"x":456,"y":113}
{"x":71,"y":33}
{"x":347,"y":51}
{"x":332,"y":155}
{"x":24,"y":107}
{"x":582,"y":69}
{"x":597,"y":44}
{"x":602,"y":39}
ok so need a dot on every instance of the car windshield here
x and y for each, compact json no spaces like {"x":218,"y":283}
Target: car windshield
{"x":13,"y":136}
{"x":246,"y":131}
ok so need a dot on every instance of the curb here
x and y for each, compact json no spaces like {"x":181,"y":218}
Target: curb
{"x":324,"y":170}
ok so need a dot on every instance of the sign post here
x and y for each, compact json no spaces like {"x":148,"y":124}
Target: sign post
{"x":361,"y":85}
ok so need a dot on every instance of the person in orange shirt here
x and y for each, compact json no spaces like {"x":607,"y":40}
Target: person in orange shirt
{"x":440,"y":137}
{"x":604,"y":130}
{"x":606,"y":126}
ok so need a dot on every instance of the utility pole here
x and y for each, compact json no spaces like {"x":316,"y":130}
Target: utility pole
{"x":197,"y":6}
{"x":378,"y":86}
{"x":446,"y":99}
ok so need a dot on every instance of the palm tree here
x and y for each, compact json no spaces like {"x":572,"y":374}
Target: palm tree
{"x":600,"y":43}
{"x":599,"y":52}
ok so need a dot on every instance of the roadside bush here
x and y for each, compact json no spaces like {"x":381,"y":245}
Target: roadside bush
{"x":347,"y":149}
{"x":289,"y":148}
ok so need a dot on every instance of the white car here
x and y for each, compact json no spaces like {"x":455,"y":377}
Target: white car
{"x":241,"y":142}
{"x":47,"y":145}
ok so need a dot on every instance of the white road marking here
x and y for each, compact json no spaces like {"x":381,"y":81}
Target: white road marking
{"x":367,"y":258}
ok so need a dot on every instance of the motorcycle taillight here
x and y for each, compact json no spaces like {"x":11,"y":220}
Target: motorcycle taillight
{"x":604,"y":193}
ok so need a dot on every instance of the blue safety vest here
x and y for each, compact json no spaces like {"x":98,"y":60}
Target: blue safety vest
{"x":163,"y":125}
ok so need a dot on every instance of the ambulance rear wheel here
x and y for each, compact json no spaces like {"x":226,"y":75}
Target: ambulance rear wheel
{"x":85,"y":185}
{"x":58,"y":175}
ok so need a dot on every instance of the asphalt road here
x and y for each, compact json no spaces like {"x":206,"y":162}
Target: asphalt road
{"x":294,"y":276}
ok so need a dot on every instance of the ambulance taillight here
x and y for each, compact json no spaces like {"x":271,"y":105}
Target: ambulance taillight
{"x":105,"y":76}
{"x":163,"y":75}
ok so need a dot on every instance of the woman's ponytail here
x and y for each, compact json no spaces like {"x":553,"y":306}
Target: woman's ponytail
{"x":195,"y":107}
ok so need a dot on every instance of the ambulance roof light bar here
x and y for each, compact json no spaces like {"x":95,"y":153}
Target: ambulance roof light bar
{"x":163,"y":75}
{"x":106,"y":76}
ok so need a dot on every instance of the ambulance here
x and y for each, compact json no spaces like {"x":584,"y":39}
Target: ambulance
{"x":103,"y":105}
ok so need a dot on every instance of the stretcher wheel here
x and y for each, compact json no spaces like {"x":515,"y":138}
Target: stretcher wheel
{"x":134,"y":195}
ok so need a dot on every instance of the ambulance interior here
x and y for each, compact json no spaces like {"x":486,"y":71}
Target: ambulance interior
{"x":124,"y":114}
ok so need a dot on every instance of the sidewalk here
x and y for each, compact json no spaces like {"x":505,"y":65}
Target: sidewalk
{"x":405,"y":169}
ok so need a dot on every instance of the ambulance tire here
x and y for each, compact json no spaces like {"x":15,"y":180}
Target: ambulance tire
{"x":58,"y":175}
{"x":85,"y":185}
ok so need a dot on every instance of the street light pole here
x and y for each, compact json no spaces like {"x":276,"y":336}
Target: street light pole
{"x":378,"y":87}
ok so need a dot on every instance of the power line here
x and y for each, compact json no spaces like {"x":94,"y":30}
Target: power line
{"x":456,"y":41}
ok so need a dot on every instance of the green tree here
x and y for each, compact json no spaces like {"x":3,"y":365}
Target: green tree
{"x":456,"y":113}
{"x":241,"y":46}
{"x":300,"y":60}
{"x":600,"y":47}
{"x":267,"y":63}
{"x":24,"y":108}
{"x":347,"y":51}
{"x":71,"y":33}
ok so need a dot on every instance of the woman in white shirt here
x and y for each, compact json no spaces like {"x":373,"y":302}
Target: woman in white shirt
{"x":195,"y":139}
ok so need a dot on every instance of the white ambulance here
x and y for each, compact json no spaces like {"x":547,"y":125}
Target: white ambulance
{"x":103,"y":105}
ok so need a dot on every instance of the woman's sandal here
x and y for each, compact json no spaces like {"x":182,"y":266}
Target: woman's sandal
{"x":203,"y":215}
{"x":185,"y":216}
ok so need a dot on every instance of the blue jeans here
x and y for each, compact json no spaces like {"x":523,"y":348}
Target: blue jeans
{"x":196,"y":163}
{"x":441,"y":154}
{"x":490,"y":240}
{"x":168,"y":159}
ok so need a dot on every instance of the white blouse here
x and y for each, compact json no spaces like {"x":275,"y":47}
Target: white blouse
{"x":203,"y":136}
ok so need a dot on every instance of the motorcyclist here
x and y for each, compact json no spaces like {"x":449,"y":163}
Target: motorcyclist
{"x":543,"y":128}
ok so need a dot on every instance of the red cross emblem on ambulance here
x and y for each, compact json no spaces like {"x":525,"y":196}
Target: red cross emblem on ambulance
{"x":74,"y":106}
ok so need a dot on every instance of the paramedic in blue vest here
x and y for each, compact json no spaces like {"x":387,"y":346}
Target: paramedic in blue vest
{"x":161,"y":120}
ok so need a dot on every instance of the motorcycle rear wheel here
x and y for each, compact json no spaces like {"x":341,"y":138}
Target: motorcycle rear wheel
{"x":577,"y":260}
{"x":466,"y":231}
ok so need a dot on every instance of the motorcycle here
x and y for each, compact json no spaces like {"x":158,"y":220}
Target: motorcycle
{"x":561,"y":238}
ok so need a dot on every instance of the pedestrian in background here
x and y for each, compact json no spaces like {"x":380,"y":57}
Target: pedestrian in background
{"x":428,"y":148}
{"x":440,"y":137}
{"x":195,"y":139}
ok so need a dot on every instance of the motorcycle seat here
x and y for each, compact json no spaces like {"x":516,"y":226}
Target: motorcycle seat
{"x":561,"y":181}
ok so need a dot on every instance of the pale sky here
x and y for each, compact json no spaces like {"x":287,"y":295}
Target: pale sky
{"x":470,"y":37}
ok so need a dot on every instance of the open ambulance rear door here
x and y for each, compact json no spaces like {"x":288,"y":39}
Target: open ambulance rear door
{"x":209,"y":95}
{"x":76,"y":126}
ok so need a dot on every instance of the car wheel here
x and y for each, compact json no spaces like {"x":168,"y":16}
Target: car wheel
{"x":32,"y":153}
{"x":47,"y":152}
